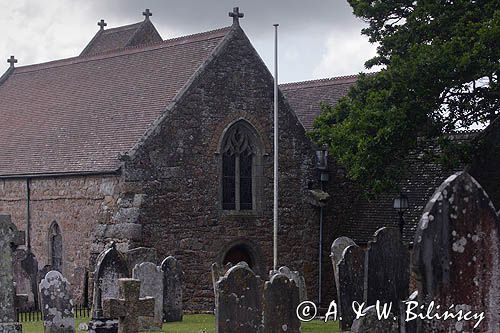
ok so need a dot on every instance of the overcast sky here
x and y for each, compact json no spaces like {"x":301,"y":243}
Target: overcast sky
{"x":318,"y":38}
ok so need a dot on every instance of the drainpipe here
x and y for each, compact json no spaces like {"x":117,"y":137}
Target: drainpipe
{"x":28,"y":214}
{"x":320,"y":259}
{"x":321,"y":165}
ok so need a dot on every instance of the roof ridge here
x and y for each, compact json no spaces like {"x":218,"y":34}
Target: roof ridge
{"x":123,"y":27}
{"x":320,"y":82}
{"x":126,"y":51}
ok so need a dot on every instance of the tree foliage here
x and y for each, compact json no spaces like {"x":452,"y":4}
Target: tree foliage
{"x":440,"y":60}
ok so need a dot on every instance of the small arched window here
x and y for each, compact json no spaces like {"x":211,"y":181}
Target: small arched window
{"x":55,"y":246}
{"x":240,"y":154}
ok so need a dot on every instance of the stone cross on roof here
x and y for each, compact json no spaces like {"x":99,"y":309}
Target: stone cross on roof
{"x":236,"y":15}
{"x":147,"y":13}
{"x":102,"y":24}
{"x":129,"y":307}
{"x":12,"y":61}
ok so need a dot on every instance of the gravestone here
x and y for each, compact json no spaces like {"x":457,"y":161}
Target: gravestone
{"x":387,"y":269}
{"x":151,"y":277}
{"x":239,"y":301}
{"x":281,"y":299}
{"x":172,"y":289}
{"x":370,"y":322}
{"x":111,"y":266}
{"x":296,"y":277}
{"x":218,"y":272}
{"x":56,"y":304}
{"x":139,"y":255}
{"x":337,"y":249}
{"x":128,"y":307}
{"x":10,"y":239}
{"x":456,"y":256}
{"x":350,"y":283}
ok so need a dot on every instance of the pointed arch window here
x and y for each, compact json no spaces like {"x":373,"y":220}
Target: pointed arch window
{"x":55,"y":247}
{"x":240,"y":152}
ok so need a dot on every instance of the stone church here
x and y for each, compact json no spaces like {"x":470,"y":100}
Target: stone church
{"x":168,"y":144}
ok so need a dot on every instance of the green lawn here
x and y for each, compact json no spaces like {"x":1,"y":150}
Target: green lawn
{"x":196,"y":323}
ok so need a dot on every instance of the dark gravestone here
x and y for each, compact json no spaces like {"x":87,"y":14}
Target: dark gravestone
{"x":239,"y":301}
{"x":218,"y":272}
{"x":128,"y":307}
{"x":10,"y":239}
{"x":56,"y":304}
{"x":337,"y":249}
{"x":387,"y":269}
{"x":456,"y":257}
{"x":281,"y":298}
{"x":350,"y":283}
{"x":296,"y":277}
{"x":370,"y":322}
{"x":151,"y":277}
{"x":139,"y":255}
{"x":111,"y":266}
{"x":172,"y":289}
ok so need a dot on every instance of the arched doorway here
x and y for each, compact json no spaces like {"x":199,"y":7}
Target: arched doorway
{"x":238,"y":253}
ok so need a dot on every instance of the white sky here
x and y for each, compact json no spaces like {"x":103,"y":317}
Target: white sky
{"x":318,"y":38}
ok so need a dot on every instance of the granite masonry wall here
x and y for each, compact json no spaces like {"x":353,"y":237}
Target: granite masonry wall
{"x":75,"y":203}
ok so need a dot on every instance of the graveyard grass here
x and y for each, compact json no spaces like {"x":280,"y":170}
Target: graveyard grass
{"x":196,"y":323}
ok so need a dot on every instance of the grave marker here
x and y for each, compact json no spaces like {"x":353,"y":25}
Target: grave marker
{"x":151,"y":277}
{"x":172,"y":289}
{"x":56,"y":304}
{"x":456,"y":256}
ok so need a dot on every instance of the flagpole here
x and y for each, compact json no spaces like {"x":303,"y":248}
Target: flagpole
{"x":275,"y":208}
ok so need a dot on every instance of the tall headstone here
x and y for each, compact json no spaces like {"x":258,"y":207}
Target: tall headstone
{"x":351,"y":276}
{"x":128,"y":307}
{"x":218,"y":272}
{"x":387,"y":264}
{"x":239,"y":301}
{"x":56,"y":304}
{"x":456,"y":256}
{"x":151,"y":277}
{"x":172,"y":289}
{"x":281,"y":299}
{"x":337,"y":249}
{"x":111,"y":266}
{"x":298,"y":278}
{"x":10,"y":239}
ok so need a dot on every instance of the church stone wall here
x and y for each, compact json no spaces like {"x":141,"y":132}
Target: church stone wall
{"x":75,"y":203}
{"x":176,"y":174}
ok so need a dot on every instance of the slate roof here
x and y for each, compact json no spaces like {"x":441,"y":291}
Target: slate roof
{"x":77,"y":115}
{"x":305,"y":97}
{"x":121,"y":37}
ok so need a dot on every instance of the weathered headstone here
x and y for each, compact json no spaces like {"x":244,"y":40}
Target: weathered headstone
{"x":387,"y":269}
{"x":139,"y":255}
{"x":336,"y":251}
{"x":172,"y":289}
{"x":10,"y":239}
{"x":111,"y":266}
{"x":239,"y":301}
{"x":128,"y":307}
{"x":456,"y":256}
{"x":56,"y":304}
{"x":338,"y":247}
{"x":218,"y":272}
{"x":370,"y":322}
{"x":350,"y":283}
{"x":151,"y":277}
{"x":298,"y":278}
{"x":281,"y":298}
